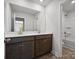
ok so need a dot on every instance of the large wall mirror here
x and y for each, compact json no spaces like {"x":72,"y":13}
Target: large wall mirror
{"x":23,"y":19}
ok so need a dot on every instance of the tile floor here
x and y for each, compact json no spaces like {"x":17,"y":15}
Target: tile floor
{"x":67,"y":54}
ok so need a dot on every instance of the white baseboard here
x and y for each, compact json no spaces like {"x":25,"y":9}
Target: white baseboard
{"x":53,"y":52}
{"x":56,"y":53}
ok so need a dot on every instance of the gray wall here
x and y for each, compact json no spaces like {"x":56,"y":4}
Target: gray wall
{"x":53,"y":25}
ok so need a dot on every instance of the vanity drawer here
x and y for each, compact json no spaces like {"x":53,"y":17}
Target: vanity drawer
{"x":44,"y":36}
{"x":18,"y":39}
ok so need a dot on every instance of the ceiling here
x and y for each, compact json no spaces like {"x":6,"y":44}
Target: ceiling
{"x":27,"y":10}
{"x":16,"y":8}
{"x":68,"y":6}
{"x":44,"y":3}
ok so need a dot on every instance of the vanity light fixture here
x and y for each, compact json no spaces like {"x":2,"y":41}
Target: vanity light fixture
{"x":73,"y":1}
{"x":41,"y":0}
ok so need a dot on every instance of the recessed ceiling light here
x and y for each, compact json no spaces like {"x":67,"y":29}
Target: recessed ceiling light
{"x":73,"y":1}
{"x":41,"y":0}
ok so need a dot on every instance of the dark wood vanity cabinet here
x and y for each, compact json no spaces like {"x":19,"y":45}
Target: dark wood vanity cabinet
{"x":28,"y":47}
{"x":23,"y":49}
{"x":43,"y":44}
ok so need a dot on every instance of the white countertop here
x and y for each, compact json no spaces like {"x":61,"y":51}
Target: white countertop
{"x":23,"y":34}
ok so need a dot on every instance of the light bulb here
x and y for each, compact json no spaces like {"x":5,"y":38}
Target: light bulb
{"x":41,"y":0}
{"x":73,"y":1}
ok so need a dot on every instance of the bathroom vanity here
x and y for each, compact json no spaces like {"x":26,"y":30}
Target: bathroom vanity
{"x":27,"y":46}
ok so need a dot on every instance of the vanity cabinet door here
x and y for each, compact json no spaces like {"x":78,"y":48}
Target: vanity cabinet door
{"x":13,"y":51}
{"x":28,"y":50}
{"x":43,"y":45}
